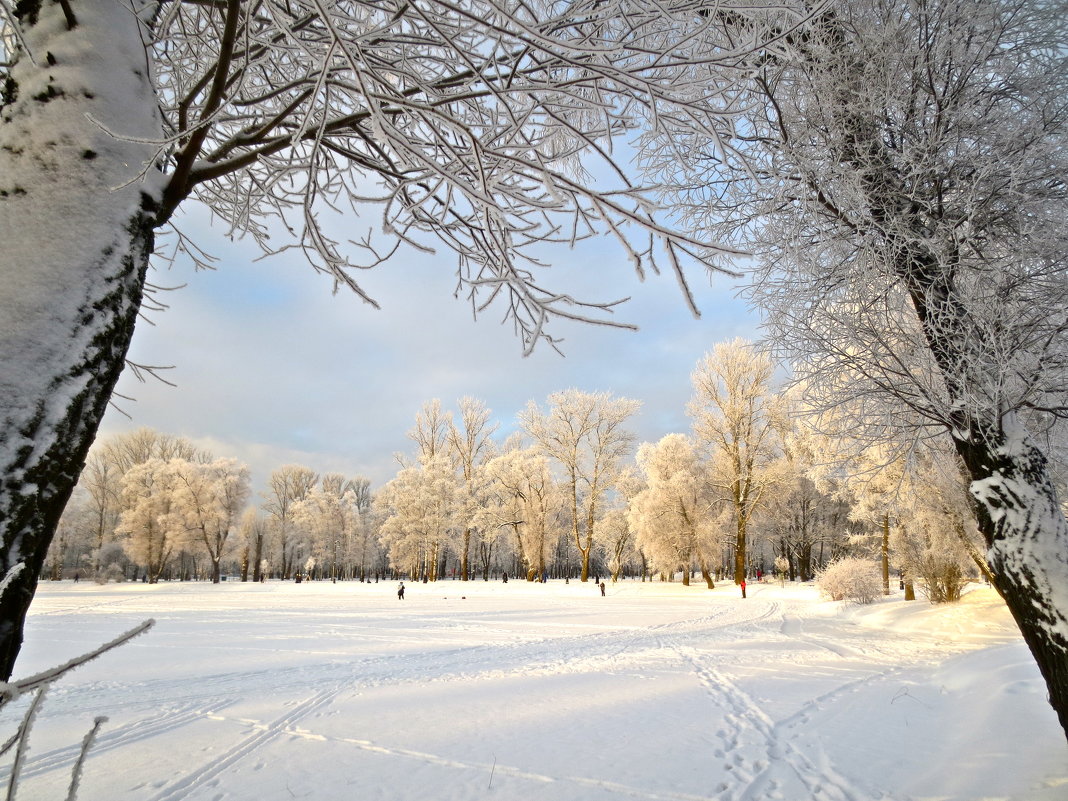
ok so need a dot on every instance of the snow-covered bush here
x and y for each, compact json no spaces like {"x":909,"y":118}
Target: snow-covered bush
{"x":782,"y":568}
{"x":850,"y":579}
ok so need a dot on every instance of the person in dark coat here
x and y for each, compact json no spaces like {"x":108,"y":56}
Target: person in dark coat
{"x":400,"y":592}
{"x":602,"y":589}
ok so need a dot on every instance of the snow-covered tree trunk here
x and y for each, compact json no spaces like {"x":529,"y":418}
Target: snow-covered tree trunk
{"x":1024,"y":526}
{"x":76,"y":233}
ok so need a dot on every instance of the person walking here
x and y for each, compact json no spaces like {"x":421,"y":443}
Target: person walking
{"x":743,"y":587}
{"x":602,"y":589}
{"x":400,"y":592}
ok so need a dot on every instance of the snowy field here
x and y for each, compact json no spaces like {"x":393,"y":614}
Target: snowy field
{"x":521,"y":692}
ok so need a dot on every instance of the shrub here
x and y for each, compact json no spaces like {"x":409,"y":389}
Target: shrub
{"x":851,"y":579}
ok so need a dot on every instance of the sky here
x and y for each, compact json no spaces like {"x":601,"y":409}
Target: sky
{"x":272,"y":368}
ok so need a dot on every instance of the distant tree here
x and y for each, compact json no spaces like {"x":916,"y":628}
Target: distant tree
{"x":616,"y":538}
{"x":735,"y":415}
{"x":330,"y":517}
{"x":524,"y":497}
{"x":584,"y":434}
{"x":252,"y":533}
{"x":418,"y":516}
{"x":287,"y":485}
{"x":677,"y":516}
{"x":74,"y":538}
{"x":471,"y":445}
{"x":101,"y":483}
{"x":148,"y":521}
{"x":208,"y":501}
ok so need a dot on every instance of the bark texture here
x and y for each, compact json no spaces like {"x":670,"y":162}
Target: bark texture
{"x":76,"y":231}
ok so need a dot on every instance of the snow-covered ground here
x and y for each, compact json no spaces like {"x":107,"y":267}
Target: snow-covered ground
{"x":528,"y":692}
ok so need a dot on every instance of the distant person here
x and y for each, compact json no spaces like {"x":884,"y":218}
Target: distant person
{"x":400,"y":592}
{"x":504,"y":577}
{"x":602,"y":589}
{"x":743,"y":587}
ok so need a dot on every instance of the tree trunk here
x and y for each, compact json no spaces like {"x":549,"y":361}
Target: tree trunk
{"x":885,"y":554}
{"x":1025,"y":530}
{"x":257,"y":559}
{"x":75,"y":252}
{"x":464,"y":555}
{"x":740,"y":551}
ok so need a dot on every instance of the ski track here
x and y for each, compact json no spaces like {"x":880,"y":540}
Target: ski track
{"x":206,"y":774}
{"x":64,"y":758}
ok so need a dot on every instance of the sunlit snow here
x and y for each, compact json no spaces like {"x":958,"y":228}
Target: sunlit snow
{"x":523,"y":691}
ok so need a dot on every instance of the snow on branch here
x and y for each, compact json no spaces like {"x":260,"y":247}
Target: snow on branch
{"x":39,"y":684}
{"x":489,"y":128}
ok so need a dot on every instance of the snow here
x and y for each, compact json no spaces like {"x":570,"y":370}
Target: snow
{"x":70,"y":184}
{"x":507,"y":691}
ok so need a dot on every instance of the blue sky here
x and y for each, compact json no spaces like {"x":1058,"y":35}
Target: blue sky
{"x":272,"y":368}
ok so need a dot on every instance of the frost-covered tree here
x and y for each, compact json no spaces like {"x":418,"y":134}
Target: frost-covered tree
{"x":471,"y":445}
{"x":467,"y":124}
{"x":522,"y":496}
{"x":330,"y":519}
{"x":616,"y":539}
{"x":677,"y":516}
{"x":208,"y":501}
{"x":901,"y":185}
{"x":735,"y":416}
{"x":287,"y":486}
{"x":252,"y":533}
{"x":584,"y":433}
{"x":73,"y":548}
{"x":418,"y":516}
{"x":148,"y":521}
{"x":101,"y":484}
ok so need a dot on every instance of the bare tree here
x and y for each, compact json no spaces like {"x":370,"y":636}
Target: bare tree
{"x":468,"y":125}
{"x":583,"y":432}
{"x":908,"y":216}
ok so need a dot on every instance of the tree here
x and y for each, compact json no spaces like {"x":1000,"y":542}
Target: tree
{"x":208,"y":499}
{"x":287,"y":486}
{"x":523,"y":496}
{"x":583,"y":432}
{"x":418,"y":511}
{"x":907,"y":216}
{"x":471,"y":120}
{"x":330,"y":518}
{"x":677,"y":515}
{"x":101,"y":483}
{"x":471,"y":444}
{"x":252,"y":531}
{"x":148,"y":518}
{"x":735,"y":415}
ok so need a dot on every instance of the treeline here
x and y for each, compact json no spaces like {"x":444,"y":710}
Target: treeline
{"x":761,"y":485}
